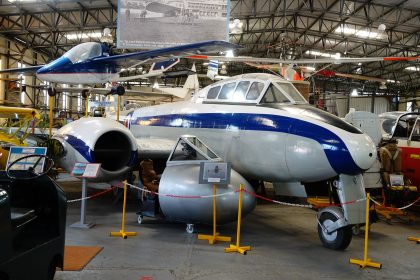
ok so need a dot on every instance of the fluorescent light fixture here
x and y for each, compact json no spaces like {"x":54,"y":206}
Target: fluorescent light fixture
{"x":317,"y":53}
{"x":310,"y":68}
{"x":412,"y":68}
{"x":354,"y":92}
{"x":76,"y":36}
{"x":359,"y":33}
{"x":13,"y":1}
{"x":390,"y":81}
{"x":20,"y":40}
{"x":229,"y":53}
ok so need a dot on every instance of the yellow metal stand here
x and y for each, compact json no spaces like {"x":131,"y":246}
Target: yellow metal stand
{"x":118,"y":108}
{"x":237,"y":248}
{"x":51,"y":99}
{"x":415,"y":239}
{"x":366,"y":261}
{"x":215,"y":237}
{"x":122,"y":233}
{"x":87,"y":107}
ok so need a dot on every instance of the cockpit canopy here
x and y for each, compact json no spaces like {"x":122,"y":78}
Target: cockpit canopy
{"x":252,"y":89}
{"x":84,"y":51}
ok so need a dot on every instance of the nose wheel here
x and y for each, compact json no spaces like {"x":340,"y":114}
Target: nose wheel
{"x":190,"y":228}
{"x":336,"y":240}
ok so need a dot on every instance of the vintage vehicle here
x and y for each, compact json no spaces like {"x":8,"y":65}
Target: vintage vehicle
{"x":33,"y":219}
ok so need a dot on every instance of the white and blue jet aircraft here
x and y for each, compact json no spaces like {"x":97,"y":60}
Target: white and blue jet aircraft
{"x":260,"y":124}
{"x":92,"y":63}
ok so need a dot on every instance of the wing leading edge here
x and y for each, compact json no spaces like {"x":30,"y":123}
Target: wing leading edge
{"x":129,"y":59}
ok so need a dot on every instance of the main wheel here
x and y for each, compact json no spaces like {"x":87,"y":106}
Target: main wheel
{"x":337,"y":240}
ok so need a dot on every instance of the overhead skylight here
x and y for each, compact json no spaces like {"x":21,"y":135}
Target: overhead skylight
{"x":318,"y":53}
{"x":362,"y":33}
{"x":413,"y":68}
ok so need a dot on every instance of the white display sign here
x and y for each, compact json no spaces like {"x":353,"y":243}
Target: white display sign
{"x":166,"y":23}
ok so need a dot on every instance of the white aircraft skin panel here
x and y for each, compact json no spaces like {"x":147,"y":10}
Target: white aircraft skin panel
{"x":78,"y":78}
{"x":234,"y":147}
{"x":301,"y":154}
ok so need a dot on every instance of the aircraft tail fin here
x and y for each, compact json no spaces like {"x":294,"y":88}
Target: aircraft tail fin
{"x":213,"y":69}
{"x":191,"y":85}
{"x":192,"y":80}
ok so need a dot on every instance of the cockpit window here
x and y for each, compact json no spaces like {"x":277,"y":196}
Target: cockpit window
{"x":404,"y":126}
{"x":240,"y":91}
{"x":212,"y":94}
{"x":290,"y":90}
{"x":254,"y":91}
{"x":227,"y":90}
{"x":388,"y":125}
{"x":84,"y":51}
{"x":415,"y":133}
{"x":274,"y":95}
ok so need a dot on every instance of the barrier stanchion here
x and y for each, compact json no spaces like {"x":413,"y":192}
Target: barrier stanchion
{"x":366,"y":261}
{"x":237,"y":247}
{"x":415,"y":239}
{"x":215,"y":237}
{"x":122,"y":233}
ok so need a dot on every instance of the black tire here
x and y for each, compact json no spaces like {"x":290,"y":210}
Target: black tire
{"x":338,"y":240}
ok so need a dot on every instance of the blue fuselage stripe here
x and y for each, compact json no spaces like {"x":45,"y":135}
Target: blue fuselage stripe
{"x":335,"y":149}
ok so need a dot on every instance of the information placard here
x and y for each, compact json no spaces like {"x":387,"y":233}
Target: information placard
{"x":85,"y":170}
{"x":215,"y":173}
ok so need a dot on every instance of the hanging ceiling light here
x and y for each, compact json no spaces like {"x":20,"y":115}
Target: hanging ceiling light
{"x":236,"y":26}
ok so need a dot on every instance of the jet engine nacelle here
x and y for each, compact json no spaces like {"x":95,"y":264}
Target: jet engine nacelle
{"x":97,"y":140}
{"x":182,"y":182}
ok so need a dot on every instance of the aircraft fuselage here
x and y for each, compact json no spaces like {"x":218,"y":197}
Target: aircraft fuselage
{"x":271,"y":144}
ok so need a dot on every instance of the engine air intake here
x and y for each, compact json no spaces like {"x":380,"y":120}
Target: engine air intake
{"x":112,"y":150}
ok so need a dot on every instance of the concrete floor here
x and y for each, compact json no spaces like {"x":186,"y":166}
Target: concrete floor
{"x":284,"y":243}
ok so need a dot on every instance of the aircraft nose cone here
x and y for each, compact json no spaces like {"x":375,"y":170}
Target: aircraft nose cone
{"x":54,"y":66}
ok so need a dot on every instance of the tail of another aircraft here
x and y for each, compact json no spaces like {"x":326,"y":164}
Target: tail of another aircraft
{"x":191,"y":85}
{"x":213,"y":69}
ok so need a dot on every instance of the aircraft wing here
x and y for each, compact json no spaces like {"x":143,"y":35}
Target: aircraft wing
{"x":26,"y":70}
{"x":152,"y":95}
{"x":154,"y":147}
{"x":156,"y":55}
{"x":303,"y":61}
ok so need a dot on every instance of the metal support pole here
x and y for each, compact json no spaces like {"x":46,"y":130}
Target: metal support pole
{"x":215,"y":237}
{"x":118,"y":108}
{"x":82,"y":223}
{"x":237,"y":247}
{"x":122,"y":233}
{"x":87,"y":107}
{"x":366,"y":261}
{"x":50,"y":104}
